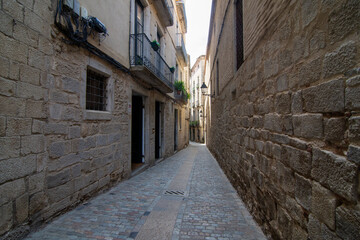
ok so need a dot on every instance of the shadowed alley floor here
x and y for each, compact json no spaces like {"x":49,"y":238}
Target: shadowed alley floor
{"x":187,"y":196}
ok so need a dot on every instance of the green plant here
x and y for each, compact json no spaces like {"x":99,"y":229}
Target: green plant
{"x":155,"y":45}
{"x":194,"y":123}
{"x":179,"y":86}
{"x":172,"y":69}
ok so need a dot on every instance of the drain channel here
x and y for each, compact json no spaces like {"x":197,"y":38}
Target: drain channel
{"x":174,"y":193}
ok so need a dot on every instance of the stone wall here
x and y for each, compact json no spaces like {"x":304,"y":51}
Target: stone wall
{"x":54,"y":154}
{"x":285,"y":126}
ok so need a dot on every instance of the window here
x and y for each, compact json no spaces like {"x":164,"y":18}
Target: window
{"x":176,"y":71}
{"x":96,"y":93}
{"x":239,"y":34}
{"x":139,"y":15}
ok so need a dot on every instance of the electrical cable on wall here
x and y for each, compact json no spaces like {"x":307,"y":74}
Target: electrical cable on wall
{"x":65,"y":20}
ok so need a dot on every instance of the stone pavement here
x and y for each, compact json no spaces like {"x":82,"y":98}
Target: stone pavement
{"x":187,"y":196}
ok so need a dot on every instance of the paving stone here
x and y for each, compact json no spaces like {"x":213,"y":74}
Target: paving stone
{"x":210,"y":209}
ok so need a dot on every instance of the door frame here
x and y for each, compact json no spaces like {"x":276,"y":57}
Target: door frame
{"x":160,"y":147}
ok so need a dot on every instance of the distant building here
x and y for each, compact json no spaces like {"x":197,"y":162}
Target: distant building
{"x":197,"y":101}
{"x":283,"y":121}
{"x":86,"y":99}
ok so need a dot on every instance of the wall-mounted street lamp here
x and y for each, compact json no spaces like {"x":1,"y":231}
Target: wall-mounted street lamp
{"x":204,"y":90}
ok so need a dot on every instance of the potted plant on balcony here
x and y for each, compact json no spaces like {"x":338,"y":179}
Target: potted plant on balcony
{"x":138,"y":61}
{"x":172,"y":69}
{"x":179,"y":87}
{"x":155,"y":45}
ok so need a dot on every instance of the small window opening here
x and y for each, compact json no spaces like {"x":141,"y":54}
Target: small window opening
{"x":96,"y":94}
{"x":239,"y":34}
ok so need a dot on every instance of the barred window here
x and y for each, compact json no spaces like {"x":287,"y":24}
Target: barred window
{"x":96,"y":94}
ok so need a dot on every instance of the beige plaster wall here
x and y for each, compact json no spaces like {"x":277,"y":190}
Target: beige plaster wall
{"x":116,"y":18}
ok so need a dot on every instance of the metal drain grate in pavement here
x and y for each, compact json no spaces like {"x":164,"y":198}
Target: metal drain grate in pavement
{"x":175,"y":193}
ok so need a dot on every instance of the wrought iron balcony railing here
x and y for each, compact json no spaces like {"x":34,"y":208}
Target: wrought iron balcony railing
{"x":180,"y":47}
{"x":181,"y":97}
{"x":143,"y":53}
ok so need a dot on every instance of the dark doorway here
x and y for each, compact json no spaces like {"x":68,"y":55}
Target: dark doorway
{"x":175,"y":129}
{"x":158,"y":130}
{"x":137,"y":132}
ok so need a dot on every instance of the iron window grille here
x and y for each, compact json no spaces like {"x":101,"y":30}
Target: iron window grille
{"x":96,"y":91}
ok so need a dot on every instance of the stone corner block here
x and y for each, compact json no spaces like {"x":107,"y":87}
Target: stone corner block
{"x":335,"y":172}
{"x":303,"y":191}
{"x":326,"y":97}
{"x":323,"y":205}
{"x":341,"y":60}
{"x":353,"y":154}
{"x":308,"y":125}
{"x":334,"y":129}
{"x":348,"y":222}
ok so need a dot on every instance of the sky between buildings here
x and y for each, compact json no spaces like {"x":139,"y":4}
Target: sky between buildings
{"x":198,"y":18}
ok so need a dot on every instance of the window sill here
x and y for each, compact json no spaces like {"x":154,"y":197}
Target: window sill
{"x":97,"y":115}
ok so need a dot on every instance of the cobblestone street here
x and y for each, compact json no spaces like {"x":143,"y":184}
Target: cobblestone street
{"x":186,"y":196}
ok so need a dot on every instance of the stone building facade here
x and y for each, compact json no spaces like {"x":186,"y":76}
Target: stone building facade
{"x":81,"y":107}
{"x":284,"y":122}
{"x":197,"y":100}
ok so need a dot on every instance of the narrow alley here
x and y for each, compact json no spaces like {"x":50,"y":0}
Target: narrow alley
{"x":187,"y":196}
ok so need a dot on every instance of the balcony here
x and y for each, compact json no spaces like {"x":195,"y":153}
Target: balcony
{"x":165,"y":11}
{"x":181,"y":98}
{"x":180,"y":9}
{"x":180,"y":48}
{"x":148,"y":65}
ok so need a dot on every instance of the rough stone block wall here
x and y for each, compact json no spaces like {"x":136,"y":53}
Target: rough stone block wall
{"x":25,"y":54}
{"x":285,"y":129}
{"x":54,"y":153}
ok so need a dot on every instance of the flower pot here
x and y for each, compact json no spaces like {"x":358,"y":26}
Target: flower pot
{"x":172,"y":69}
{"x":155,"y":45}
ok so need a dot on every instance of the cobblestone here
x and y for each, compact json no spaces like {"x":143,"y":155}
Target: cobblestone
{"x":209,"y":209}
